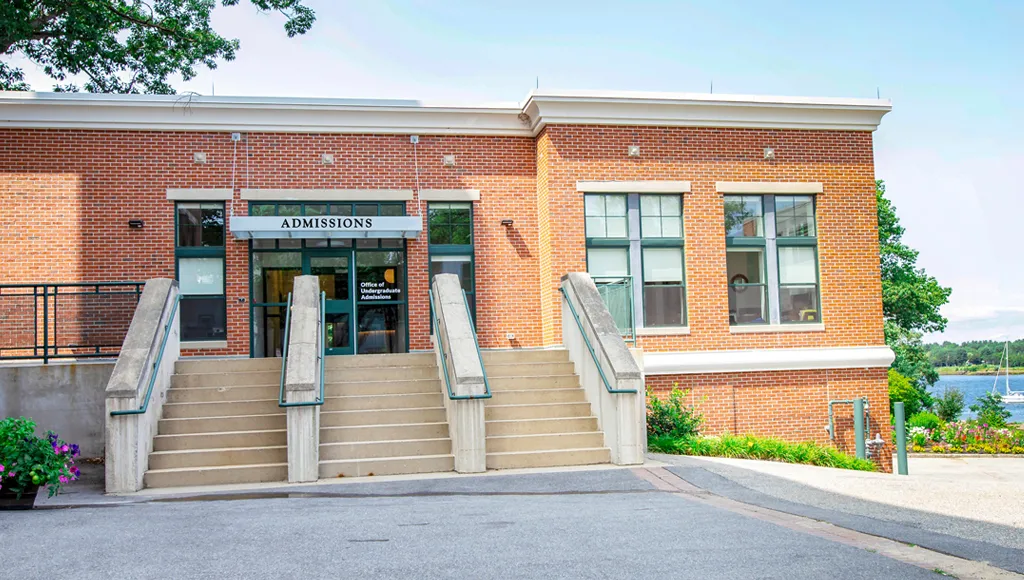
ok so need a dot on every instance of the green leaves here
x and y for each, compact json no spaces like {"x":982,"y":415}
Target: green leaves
{"x":124,"y":46}
{"x":751,"y":447}
{"x":672,"y":418}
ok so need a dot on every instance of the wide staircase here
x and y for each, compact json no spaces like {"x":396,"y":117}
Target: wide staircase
{"x":221,"y":424}
{"x":384,"y":415}
{"x":538,"y":415}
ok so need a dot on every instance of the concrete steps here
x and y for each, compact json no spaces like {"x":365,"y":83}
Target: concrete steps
{"x":384,"y":415}
{"x":538,"y":415}
{"x":221,"y":425}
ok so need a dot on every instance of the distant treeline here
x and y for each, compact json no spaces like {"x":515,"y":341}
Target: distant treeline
{"x":975,"y":352}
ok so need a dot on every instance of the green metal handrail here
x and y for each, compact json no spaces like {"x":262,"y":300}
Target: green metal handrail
{"x":627,"y":283}
{"x":320,"y":356}
{"x":444,"y":362}
{"x":156,"y":365}
{"x":590,"y":347}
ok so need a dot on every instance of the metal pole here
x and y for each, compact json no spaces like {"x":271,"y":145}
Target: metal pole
{"x":46,"y":326}
{"x":858,"y":427}
{"x":901,"y":439}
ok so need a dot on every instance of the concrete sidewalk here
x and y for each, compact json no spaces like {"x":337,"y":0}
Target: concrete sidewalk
{"x":947,"y":507}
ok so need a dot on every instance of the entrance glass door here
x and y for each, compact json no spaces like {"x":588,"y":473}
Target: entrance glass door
{"x":333,"y":268}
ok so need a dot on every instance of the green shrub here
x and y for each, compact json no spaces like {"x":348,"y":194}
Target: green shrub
{"x":751,"y":447}
{"x":924,"y":419}
{"x":672,"y":418}
{"x":990,"y":410}
{"x":901,"y":389}
{"x":949,"y":405}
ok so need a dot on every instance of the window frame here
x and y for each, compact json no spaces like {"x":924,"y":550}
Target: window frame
{"x":634,"y":242}
{"x":772,"y":243}
{"x":455,"y":250}
{"x":187,"y":252}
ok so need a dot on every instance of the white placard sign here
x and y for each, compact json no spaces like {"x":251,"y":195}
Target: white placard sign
{"x":250,"y":227}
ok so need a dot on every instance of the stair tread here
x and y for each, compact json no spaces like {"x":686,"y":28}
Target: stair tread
{"x":386,"y":410}
{"x":274,"y":400}
{"x":216,"y":467}
{"x":390,"y":458}
{"x":432,"y":423}
{"x":493,"y":405}
{"x":216,"y":433}
{"x":544,"y":390}
{"x":217,"y":449}
{"x":376,"y":441}
{"x":539,"y":435}
{"x":281,"y":414}
{"x":548,"y":451}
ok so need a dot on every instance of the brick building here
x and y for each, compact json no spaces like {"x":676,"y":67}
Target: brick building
{"x":733,"y":237}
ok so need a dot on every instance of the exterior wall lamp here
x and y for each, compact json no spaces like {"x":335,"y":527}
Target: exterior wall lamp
{"x":135,"y":224}
{"x":507,"y":223}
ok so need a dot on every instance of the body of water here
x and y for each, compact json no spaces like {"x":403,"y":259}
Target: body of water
{"x":976,"y":386}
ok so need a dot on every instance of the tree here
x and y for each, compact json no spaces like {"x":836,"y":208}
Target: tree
{"x":990,"y":410}
{"x":949,"y":405}
{"x":902,"y":390}
{"x":123,"y":46}
{"x":910,"y":297}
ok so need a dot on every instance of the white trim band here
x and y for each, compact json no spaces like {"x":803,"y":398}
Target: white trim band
{"x":663,"y":331}
{"x":203,"y":344}
{"x":780,"y":187}
{"x":780,"y":359}
{"x":450,"y":195}
{"x":199,"y":194}
{"x":633,"y":186}
{"x":327,"y":194}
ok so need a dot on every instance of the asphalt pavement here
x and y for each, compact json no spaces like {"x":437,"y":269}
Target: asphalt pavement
{"x":576,"y":524}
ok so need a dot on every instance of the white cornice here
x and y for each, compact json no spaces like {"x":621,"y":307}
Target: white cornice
{"x":779,"y":359}
{"x":540,"y":109}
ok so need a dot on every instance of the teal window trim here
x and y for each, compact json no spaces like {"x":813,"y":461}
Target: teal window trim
{"x":605,"y":196}
{"x":273,"y":208}
{"x":202,"y":252}
{"x":455,"y":250}
{"x":771,"y":260}
{"x":764,"y":286}
{"x":634,"y":242}
{"x":684,"y":320}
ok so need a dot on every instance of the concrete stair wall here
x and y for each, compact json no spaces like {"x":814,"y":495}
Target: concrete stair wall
{"x":384,"y":415}
{"x":538,"y":415}
{"x":221,"y":425}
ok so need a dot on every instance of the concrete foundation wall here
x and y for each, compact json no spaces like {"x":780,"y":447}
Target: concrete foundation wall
{"x":67,"y":398}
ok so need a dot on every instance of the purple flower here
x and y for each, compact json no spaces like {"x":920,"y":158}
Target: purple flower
{"x":63,"y":479}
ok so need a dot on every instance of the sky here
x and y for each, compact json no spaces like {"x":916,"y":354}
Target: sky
{"x":950,"y":151}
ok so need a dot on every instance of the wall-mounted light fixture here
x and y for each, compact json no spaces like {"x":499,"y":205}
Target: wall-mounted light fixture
{"x":506,"y":223}
{"x":327,"y":158}
{"x":199,"y":157}
{"x":769,"y":153}
{"x":448,"y":160}
{"x":634,"y":151}
{"x":135,"y":224}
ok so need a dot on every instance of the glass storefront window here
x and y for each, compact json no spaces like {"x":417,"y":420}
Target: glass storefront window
{"x":461,"y":266}
{"x":201,"y":275}
{"x":199,"y":268}
{"x":381,"y":329}
{"x":202,"y":318}
{"x":380,"y":276}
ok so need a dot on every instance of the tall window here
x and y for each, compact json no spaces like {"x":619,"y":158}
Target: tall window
{"x":199,"y":256}
{"x":450,"y":233}
{"x":635,"y":255}
{"x":772,"y":259}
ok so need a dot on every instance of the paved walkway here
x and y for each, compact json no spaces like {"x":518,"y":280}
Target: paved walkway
{"x":597,"y":523}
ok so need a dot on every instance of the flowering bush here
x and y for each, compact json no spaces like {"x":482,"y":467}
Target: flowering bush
{"x":967,"y":437}
{"x":27,"y":460}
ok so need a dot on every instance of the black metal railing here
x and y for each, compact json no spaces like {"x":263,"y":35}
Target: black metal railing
{"x":57,"y":321}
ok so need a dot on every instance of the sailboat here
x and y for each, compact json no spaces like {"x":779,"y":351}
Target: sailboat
{"x":1010,"y":396}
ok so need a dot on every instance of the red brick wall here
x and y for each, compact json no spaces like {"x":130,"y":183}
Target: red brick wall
{"x":790,"y":405}
{"x":68,"y":194}
{"x":847,"y":222}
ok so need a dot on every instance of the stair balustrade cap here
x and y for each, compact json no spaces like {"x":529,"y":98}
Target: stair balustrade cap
{"x":594,"y":314}
{"x":303,"y":367}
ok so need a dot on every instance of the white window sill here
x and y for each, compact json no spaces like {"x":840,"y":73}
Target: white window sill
{"x":663,"y":331}
{"x":756,"y":328}
{"x":203,"y":344}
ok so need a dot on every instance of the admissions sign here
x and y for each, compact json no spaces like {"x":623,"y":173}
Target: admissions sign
{"x":261,"y":227}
